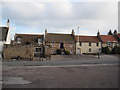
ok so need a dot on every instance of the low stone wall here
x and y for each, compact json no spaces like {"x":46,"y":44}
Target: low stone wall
{"x":18,"y":51}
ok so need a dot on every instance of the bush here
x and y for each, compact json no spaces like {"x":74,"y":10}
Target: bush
{"x":116,"y":50}
{"x":58,"y":51}
{"x":106,"y":50}
{"x":67,"y":52}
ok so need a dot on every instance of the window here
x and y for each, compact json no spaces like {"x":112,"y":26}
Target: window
{"x":19,"y":39}
{"x":61,"y":45}
{"x":108,"y":43}
{"x":89,"y":44}
{"x":39,"y":40}
{"x":97,"y":44}
{"x":115,"y":44}
{"x":89,"y":49}
{"x":38,"y":50}
{"x":71,"y":45}
{"x":52,"y":44}
{"x":80,"y":43}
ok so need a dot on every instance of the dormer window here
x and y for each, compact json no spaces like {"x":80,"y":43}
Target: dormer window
{"x":19,"y":40}
{"x":39,"y":40}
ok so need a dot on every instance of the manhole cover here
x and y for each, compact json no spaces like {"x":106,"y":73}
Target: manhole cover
{"x":15,"y":80}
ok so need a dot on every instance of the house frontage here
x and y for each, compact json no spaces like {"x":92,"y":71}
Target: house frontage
{"x":117,"y":36}
{"x":25,"y":46}
{"x":108,"y":40}
{"x":4,"y":37}
{"x":60,"y":42}
{"x":87,"y":45}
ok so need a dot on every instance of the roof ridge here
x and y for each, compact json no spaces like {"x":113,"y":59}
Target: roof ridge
{"x":30,"y":34}
{"x":58,"y":33}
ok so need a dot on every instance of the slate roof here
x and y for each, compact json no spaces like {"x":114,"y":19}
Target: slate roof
{"x":31,"y":38}
{"x":57,"y":37}
{"x":3,"y":33}
{"x":87,"y":38}
{"x":106,"y":38}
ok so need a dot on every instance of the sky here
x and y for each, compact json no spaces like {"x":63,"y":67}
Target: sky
{"x":60,"y":16}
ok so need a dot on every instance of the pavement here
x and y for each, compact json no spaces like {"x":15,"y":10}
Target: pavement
{"x":83,"y":60}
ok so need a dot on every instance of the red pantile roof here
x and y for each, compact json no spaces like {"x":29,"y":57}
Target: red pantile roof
{"x":118,"y":35}
{"x":106,"y":38}
{"x":87,"y":39}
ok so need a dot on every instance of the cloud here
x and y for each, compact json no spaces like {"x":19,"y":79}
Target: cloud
{"x":61,"y":16}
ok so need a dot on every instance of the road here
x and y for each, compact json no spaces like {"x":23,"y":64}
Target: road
{"x":85,"y":72}
{"x":60,"y":77}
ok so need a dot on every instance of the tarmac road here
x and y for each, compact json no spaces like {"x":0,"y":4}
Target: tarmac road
{"x":67,"y":73}
{"x":61,"y":77}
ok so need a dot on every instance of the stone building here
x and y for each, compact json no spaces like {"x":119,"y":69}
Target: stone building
{"x":108,"y":40}
{"x":18,"y":52}
{"x":26,"y":46}
{"x":87,"y":45}
{"x":4,"y":36}
{"x":117,"y":36}
{"x":62,"y":42}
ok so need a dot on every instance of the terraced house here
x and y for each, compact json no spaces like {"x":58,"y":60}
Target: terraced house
{"x":25,"y":46}
{"x":87,"y":45}
{"x":4,"y":36}
{"x":108,"y":40}
{"x":60,"y":42}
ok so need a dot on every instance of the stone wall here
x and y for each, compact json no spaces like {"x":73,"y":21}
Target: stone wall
{"x":15,"y":51}
{"x":67,"y":46}
{"x":47,"y":51}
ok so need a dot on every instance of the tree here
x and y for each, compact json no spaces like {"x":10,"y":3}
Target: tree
{"x":115,"y":32}
{"x":116,"y":50}
{"x":110,"y":32}
{"x":106,"y":50}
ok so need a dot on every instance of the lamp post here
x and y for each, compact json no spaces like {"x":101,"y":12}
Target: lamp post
{"x":78,"y":51}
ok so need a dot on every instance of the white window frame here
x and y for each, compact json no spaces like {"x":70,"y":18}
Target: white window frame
{"x":40,"y":51}
{"x":19,"y":39}
{"x":71,"y":45}
{"x":39,"y":40}
{"x":52,"y":44}
{"x":108,"y":43}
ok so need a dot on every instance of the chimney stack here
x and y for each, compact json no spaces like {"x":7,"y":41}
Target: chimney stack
{"x":115,"y":32}
{"x":45,"y":31}
{"x":8,"y":23}
{"x":98,"y":33}
{"x":73,"y":33}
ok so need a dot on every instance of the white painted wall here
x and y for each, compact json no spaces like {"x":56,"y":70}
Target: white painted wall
{"x":8,"y":41}
{"x":85,"y":47}
{"x":1,"y":47}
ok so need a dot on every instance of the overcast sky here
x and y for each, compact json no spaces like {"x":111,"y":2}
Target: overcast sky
{"x":60,"y":17}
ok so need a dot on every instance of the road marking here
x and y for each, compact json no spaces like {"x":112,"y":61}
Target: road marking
{"x":77,"y":65}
